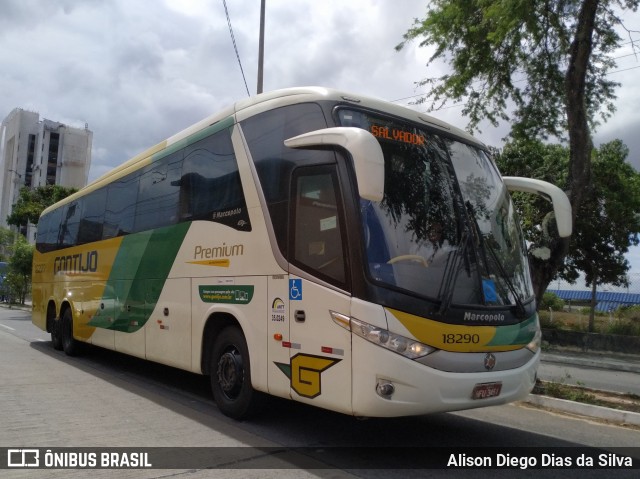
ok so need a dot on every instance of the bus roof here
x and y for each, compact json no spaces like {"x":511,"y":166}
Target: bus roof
{"x":253,"y":105}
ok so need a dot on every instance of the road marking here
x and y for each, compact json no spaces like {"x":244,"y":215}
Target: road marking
{"x":10,"y":329}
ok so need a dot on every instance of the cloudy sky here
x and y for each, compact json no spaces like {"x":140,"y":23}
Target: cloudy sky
{"x":138,"y":71}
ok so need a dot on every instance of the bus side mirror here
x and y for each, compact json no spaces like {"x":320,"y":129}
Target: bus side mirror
{"x":561,"y":205}
{"x":368,"y":160}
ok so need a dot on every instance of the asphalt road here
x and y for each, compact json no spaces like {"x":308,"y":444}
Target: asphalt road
{"x":104,"y":399}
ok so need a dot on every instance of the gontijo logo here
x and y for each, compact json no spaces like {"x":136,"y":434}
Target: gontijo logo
{"x":76,"y":263}
{"x":304,"y":371}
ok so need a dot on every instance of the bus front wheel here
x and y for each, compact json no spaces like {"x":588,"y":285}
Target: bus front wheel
{"x":231,"y":375}
{"x":69,"y":344}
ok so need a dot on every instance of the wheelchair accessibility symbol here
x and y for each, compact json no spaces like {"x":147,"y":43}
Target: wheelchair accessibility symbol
{"x":295,"y":289}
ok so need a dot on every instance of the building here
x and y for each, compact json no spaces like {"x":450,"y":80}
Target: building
{"x":36,"y":152}
{"x":606,"y":301}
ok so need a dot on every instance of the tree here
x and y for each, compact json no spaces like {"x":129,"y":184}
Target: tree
{"x":606,"y":224}
{"x":33,"y":201}
{"x":534,"y":159}
{"x":19,"y":275}
{"x":561,"y":49}
{"x":7,"y":238}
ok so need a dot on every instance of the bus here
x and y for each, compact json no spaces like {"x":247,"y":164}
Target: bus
{"x":311,"y":244}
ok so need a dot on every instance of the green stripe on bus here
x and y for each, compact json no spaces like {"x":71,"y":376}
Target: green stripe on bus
{"x":521,"y":333}
{"x":139,"y":273}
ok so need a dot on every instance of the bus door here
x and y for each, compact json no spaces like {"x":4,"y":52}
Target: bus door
{"x":320,"y":350}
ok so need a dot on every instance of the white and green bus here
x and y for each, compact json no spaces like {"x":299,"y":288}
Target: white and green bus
{"x":307,"y":243}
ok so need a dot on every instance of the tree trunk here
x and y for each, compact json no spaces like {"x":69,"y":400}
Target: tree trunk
{"x":592,"y":313}
{"x":580,"y":144}
{"x":544,"y":271}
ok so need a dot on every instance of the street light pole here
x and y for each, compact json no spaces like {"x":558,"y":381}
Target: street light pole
{"x":261,"y":47}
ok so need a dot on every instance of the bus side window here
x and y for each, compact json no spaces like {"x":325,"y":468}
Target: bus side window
{"x":71,"y":214}
{"x":92,"y":220}
{"x":48,"y":229}
{"x":121,"y":207}
{"x":265,"y":134}
{"x":317,"y":223}
{"x":158,"y":193}
{"x":210,"y":187}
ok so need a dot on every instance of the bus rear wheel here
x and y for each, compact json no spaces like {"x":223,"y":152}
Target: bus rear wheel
{"x":69,"y":344}
{"x":231,"y":375}
{"x":56,"y":336}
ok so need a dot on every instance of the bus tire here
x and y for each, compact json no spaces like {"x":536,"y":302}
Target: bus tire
{"x":231,"y":375}
{"x":56,"y":336}
{"x":69,"y":344}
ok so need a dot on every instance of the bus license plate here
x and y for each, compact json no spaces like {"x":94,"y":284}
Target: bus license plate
{"x":486,"y":390}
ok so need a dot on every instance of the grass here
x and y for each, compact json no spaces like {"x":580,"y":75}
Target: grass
{"x":579,"y":321}
{"x":577,"y":393}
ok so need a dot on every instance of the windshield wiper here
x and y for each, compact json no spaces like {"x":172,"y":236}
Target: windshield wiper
{"x":521,"y":311}
{"x":451,"y":272}
{"x":486,"y":246}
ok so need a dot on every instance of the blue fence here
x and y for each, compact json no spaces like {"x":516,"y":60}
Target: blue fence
{"x":606,"y":301}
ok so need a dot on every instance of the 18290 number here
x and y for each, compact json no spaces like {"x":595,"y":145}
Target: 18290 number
{"x":452,"y":338}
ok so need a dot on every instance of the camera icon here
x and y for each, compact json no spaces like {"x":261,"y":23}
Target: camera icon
{"x":23,"y":458}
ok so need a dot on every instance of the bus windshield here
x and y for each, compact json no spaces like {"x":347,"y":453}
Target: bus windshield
{"x":446,"y":227}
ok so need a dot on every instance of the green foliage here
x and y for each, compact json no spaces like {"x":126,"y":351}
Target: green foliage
{"x":607,"y":222}
{"x":33,"y":201}
{"x":587,"y":310}
{"x":546,"y":322}
{"x":629,"y":313}
{"x":7,"y":239}
{"x":624,"y":327}
{"x":534,"y":159}
{"x":502,"y":53}
{"x":570,"y":393}
{"x":18,"y":277}
{"x":627,"y":321}
{"x":551,"y":300}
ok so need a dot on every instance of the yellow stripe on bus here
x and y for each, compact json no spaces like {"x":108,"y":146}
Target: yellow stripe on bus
{"x":223,"y":263}
{"x":452,"y":337}
{"x":71,"y":275}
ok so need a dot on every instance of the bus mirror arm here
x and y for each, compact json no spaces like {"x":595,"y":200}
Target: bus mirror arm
{"x":365,"y":151}
{"x":561,"y":204}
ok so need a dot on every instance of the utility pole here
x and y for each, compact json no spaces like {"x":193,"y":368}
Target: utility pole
{"x":261,"y":47}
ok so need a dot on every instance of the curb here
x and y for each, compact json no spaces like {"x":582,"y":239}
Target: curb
{"x":589,"y":410}
{"x":16,"y":307}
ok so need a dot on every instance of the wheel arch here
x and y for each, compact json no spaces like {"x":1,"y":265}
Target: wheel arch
{"x":215,"y":323}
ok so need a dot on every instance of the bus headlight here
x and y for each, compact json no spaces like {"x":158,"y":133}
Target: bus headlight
{"x":407,"y":347}
{"x":536,"y":342}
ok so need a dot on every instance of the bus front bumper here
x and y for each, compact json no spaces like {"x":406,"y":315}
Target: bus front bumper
{"x":386,"y":384}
